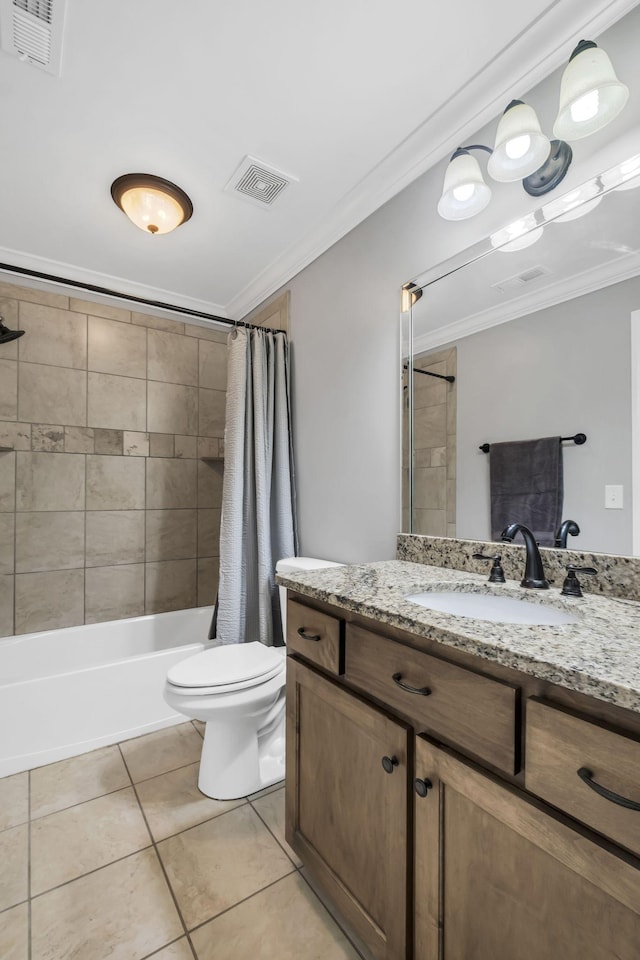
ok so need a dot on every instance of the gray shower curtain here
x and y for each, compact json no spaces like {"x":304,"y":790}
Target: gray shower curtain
{"x":258,"y":499}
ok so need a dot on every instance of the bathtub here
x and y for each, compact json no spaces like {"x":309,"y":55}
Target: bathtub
{"x":63,"y":692}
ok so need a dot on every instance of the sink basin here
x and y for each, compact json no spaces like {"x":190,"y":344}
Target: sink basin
{"x":495,"y":609}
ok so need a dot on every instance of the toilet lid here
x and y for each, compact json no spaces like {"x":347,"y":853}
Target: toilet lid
{"x":235,"y":663}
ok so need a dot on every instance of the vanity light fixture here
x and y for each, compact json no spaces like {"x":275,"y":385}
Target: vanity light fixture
{"x":152,"y":203}
{"x":517,"y":235}
{"x":590,"y":97}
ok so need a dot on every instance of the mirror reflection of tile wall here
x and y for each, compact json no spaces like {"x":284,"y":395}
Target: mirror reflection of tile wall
{"x":434,"y":445}
{"x":110,"y":497}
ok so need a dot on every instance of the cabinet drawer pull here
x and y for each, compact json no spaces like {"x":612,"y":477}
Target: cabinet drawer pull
{"x":587,"y":777}
{"x":422,"y":787}
{"x":423,"y":691}
{"x":308,"y":636}
{"x":389,"y":763}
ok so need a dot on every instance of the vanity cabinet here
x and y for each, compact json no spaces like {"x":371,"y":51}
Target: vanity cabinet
{"x":471,"y":847}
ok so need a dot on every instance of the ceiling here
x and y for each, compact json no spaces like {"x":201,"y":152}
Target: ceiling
{"x":354,"y":99}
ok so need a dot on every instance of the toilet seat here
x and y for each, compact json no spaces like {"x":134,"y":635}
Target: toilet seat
{"x":225,"y":669}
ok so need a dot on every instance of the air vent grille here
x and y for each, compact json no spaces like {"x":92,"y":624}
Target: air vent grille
{"x":32,"y":31}
{"x":40,"y":9}
{"x":258,"y":182}
{"x":521,"y":279}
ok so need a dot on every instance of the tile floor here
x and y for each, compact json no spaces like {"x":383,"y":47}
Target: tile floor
{"x":115,"y":854}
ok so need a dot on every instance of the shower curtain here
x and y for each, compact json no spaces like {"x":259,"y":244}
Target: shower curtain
{"x":258,"y":499}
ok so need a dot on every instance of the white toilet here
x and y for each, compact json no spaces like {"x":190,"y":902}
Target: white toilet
{"x":238,"y":690}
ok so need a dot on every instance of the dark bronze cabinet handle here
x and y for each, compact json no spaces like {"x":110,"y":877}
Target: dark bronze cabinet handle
{"x":422,"y":787}
{"x":587,"y":777}
{"x":389,"y":763}
{"x":307,"y":636}
{"x":423,"y":691}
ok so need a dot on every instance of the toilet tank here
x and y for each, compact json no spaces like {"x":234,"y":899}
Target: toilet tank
{"x":291,"y":565}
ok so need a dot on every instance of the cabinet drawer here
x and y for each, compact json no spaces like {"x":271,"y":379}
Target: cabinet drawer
{"x":472,"y":712}
{"x":316,"y":636}
{"x":558,"y":744}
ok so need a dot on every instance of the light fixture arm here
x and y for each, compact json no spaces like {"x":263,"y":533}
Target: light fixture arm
{"x":472,"y":146}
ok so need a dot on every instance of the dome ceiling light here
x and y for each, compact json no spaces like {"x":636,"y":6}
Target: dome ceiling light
{"x":591,"y":96}
{"x":153,"y":204}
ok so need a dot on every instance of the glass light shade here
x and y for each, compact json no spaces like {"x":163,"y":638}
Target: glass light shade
{"x":575,"y":204}
{"x":521,"y":147}
{"x":517,"y":235}
{"x":464,"y":193}
{"x":153,"y":204}
{"x":591,"y":95}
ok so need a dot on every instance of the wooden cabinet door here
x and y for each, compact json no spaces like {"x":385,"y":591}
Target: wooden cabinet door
{"x":499,"y":877}
{"x":346,"y":816}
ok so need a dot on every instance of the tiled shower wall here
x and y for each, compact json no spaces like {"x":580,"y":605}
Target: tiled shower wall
{"x":110,"y":498}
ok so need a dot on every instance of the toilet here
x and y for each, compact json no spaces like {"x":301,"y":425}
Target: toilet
{"x":238,"y":691}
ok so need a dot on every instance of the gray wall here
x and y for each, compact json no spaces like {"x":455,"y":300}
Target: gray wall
{"x":562,"y":371}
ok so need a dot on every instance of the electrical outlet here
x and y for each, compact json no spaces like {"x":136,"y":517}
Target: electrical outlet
{"x":613,"y":496}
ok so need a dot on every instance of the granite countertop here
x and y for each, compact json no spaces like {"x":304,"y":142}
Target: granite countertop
{"x":598,"y":656}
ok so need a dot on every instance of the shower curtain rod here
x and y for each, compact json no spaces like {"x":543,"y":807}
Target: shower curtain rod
{"x":93,"y":288}
{"x":428,"y":373}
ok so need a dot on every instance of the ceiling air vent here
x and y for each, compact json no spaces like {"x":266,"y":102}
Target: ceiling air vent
{"x":520,"y":279}
{"x":258,"y":182}
{"x":32,"y":31}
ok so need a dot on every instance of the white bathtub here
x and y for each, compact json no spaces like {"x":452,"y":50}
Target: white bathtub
{"x":63,"y":692}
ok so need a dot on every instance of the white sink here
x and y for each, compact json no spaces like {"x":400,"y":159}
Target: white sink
{"x":495,"y":609}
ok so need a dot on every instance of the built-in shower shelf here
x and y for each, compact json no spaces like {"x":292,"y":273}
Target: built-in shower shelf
{"x":212,"y":459}
{"x":6,"y":449}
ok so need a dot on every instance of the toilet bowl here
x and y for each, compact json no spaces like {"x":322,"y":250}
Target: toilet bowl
{"x":238,"y":692}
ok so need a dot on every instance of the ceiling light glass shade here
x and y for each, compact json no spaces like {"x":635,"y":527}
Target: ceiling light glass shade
{"x":517,"y":235}
{"x":591,"y":95}
{"x":521,"y":147}
{"x":575,"y":204}
{"x":153,"y":204}
{"x":464,"y":193}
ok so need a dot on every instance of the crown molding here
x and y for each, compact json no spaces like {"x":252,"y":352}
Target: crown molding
{"x":576,"y":286}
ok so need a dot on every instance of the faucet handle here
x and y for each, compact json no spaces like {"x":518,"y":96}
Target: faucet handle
{"x":571,"y":586}
{"x":497,"y":573}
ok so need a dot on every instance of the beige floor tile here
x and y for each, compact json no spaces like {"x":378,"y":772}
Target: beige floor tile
{"x":14,"y":933}
{"x":284,"y":922}
{"x":263,"y":793}
{"x":215,"y":865}
{"x":271,"y":809}
{"x":172,"y":802}
{"x":199,"y":725}
{"x":344,"y":925}
{"x":63,"y":784}
{"x":159,"y":752}
{"x":123,"y":912}
{"x":67,"y":844}
{"x":14,"y":800}
{"x":180,"y":950}
{"x":14,"y":858}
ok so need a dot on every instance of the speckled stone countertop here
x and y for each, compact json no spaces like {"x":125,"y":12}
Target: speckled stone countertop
{"x":599,"y":656}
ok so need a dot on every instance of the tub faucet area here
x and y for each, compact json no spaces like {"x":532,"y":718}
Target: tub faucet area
{"x":534,"y":570}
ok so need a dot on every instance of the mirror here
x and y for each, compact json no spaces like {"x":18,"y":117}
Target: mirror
{"x":541,"y":343}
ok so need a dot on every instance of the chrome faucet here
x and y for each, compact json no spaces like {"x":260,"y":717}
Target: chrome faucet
{"x":534,"y":571}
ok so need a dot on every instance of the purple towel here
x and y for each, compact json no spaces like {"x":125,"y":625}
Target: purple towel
{"x":527,"y":487}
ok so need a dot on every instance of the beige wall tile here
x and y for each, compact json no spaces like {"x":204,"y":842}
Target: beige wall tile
{"x":173,"y":408}
{"x":157,"y":323}
{"x":208,"y":448}
{"x":47,"y":438}
{"x":430,"y":426}
{"x":79,"y":440}
{"x":45,"y":390}
{"x":211,"y":409}
{"x":33,"y":295}
{"x":117,"y":402}
{"x":210,"y":484}
{"x":14,"y":933}
{"x":53,"y":336}
{"x":7,"y":482}
{"x":113,"y":593}
{"x":172,"y":802}
{"x":49,"y":541}
{"x":14,"y":859}
{"x":171,"y":484}
{"x":47,"y":601}
{"x":9,"y":389}
{"x":100,"y":310}
{"x":186,"y":447}
{"x":170,"y":585}
{"x":114,"y":537}
{"x":172,"y":358}
{"x":159,"y":752}
{"x":208,"y":574}
{"x":115,"y":483}
{"x":161,"y":445}
{"x":209,"y":532}
{"x":431,"y":488}
{"x":108,"y":442}
{"x":63,"y":784}
{"x":220,"y":335}
{"x":135,"y":444}
{"x":212,"y":365}
{"x":171,"y":534}
{"x":117,"y":348}
{"x":6,"y":605}
{"x":50,"y":481}
{"x":7,"y":528}
{"x":16,"y":435}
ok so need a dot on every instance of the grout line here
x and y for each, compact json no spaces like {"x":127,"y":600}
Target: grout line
{"x":80,"y":803}
{"x":256,"y":893}
{"x":81,"y":876}
{"x":286,"y":853}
